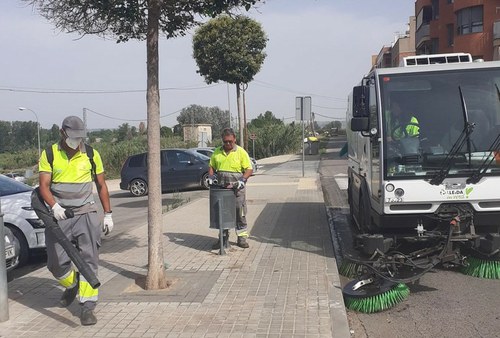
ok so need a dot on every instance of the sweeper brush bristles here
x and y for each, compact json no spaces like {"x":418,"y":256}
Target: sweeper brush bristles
{"x":380,"y":302}
{"x":482,"y":268}
{"x":350,"y":269}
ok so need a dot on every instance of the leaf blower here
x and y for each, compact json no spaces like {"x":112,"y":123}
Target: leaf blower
{"x":53,"y":227}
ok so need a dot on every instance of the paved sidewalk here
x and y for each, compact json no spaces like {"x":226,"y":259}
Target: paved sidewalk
{"x":285,"y":285}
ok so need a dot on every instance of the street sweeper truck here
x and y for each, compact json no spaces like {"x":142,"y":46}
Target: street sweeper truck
{"x":423,"y":175}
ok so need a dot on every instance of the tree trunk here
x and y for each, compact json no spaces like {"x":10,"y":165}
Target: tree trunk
{"x":240,"y":116}
{"x":155,"y":278}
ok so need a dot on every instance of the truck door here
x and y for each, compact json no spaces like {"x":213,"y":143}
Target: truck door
{"x":374,"y":148}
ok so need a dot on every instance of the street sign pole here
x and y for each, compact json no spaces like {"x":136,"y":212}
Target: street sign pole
{"x":299,"y":115}
{"x":303,"y":108}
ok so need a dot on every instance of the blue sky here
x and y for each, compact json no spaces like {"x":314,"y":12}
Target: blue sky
{"x":319,"y":48}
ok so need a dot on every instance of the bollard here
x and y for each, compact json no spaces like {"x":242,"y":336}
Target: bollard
{"x":4,"y":293}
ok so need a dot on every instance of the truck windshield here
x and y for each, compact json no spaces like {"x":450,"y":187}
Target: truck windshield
{"x":423,"y":116}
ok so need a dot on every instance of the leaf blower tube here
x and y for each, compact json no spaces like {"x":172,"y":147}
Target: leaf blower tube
{"x":51,"y":225}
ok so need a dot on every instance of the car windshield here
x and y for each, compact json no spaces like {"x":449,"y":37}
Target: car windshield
{"x":8,"y":186}
{"x":200,"y":157}
{"x":425,"y":113}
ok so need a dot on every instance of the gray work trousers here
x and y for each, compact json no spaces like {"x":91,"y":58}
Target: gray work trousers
{"x":85,"y":231}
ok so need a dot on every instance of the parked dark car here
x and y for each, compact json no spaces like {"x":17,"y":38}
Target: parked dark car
{"x":20,"y":217}
{"x":180,"y":169}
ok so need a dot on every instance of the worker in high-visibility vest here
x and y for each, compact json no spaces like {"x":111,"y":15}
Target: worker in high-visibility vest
{"x":230,"y":165}
{"x":402,"y":125}
{"x":66,"y":182}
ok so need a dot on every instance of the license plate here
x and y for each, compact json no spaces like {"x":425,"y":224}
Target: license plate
{"x":9,"y":253}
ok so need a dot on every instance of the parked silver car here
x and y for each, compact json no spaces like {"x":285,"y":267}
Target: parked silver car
{"x":20,"y":217}
{"x":11,"y":250}
{"x":16,"y":176}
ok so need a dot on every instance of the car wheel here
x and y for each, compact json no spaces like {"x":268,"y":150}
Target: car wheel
{"x":204,"y":181}
{"x":138,"y":187}
{"x":24,"y":250}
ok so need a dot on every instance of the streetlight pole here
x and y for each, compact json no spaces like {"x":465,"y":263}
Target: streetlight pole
{"x":37,"y":127}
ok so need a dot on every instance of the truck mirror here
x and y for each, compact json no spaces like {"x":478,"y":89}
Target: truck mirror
{"x":360,"y":96}
{"x":360,"y":124}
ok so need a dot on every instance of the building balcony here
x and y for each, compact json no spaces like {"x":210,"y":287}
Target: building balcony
{"x":422,"y":35}
{"x":496,"y":33}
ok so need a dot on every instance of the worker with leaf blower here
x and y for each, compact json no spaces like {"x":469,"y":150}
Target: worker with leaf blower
{"x":67,"y":171}
{"x":230,"y":166}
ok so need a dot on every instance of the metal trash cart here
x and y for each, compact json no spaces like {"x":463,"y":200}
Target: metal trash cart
{"x":222,"y":212}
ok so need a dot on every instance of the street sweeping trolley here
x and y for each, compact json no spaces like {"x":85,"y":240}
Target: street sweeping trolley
{"x":423,"y":175}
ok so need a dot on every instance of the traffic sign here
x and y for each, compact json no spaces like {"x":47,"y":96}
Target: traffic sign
{"x":253,"y":136}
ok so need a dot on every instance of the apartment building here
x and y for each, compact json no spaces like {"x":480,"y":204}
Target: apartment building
{"x":450,"y":26}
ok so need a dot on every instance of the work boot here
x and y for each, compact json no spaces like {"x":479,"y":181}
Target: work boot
{"x":69,"y":296}
{"x":88,"y":317}
{"x":242,"y":242}
{"x":225,"y":241}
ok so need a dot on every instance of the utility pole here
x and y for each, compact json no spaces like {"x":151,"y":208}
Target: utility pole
{"x":228,"y":104}
{"x":240,"y":115}
{"x":245,"y":135}
{"x":85,"y":123}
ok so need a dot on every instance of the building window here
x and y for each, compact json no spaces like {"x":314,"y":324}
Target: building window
{"x":470,"y":20}
{"x":435,"y":9}
{"x":449,"y":1}
{"x":434,"y":46}
{"x":450,"y":34}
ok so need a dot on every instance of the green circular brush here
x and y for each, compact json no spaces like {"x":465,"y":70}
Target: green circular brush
{"x":350,"y":269}
{"x":374,"y":297}
{"x":482,"y":268}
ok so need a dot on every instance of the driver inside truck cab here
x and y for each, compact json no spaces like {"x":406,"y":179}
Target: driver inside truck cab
{"x":402,"y":124}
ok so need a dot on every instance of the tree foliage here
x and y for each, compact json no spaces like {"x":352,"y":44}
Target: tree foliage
{"x":18,"y":136}
{"x":229,"y":49}
{"x":273,"y":137}
{"x":128,"y":19}
{"x":195,"y":114}
{"x":263,"y":119}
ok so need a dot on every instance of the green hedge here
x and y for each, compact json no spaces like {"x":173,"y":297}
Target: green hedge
{"x":113,"y":155}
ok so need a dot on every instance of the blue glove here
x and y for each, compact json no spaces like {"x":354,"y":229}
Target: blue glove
{"x":241,"y":183}
{"x":212,"y":180}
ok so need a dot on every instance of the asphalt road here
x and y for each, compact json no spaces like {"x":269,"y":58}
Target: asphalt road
{"x":444,"y":303}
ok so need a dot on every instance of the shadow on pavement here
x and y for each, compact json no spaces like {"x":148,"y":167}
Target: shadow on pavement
{"x":299,"y":226}
{"x":42,"y":294}
{"x":195,"y":241}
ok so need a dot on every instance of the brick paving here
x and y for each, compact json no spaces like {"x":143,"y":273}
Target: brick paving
{"x":285,"y":285}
